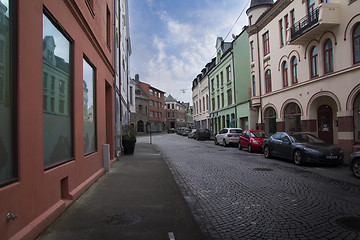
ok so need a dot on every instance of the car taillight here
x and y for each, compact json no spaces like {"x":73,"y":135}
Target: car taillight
{"x":230,"y":135}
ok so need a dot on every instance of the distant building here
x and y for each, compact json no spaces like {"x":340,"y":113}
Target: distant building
{"x":156,"y":108}
{"x":176,"y":113}
{"x":140,"y":117}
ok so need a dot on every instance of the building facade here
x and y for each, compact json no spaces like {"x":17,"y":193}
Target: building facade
{"x":200,"y":96}
{"x":140,"y":115}
{"x":175,"y":113}
{"x":305,"y":63}
{"x":156,"y":107}
{"x":122,"y":52}
{"x":52,"y":131}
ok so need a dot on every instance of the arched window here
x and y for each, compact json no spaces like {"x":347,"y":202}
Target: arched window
{"x":328,"y":57}
{"x":292,"y":118}
{"x":285,"y":74}
{"x":314,"y":62}
{"x":268,"y":81}
{"x":270,"y":120}
{"x":356,"y":43}
{"x":253,"y":86}
{"x":294,"y":72}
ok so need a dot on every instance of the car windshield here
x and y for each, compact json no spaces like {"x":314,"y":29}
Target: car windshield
{"x":306,"y":138}
{"x":235,"y":131}
{"x":259,"y":135}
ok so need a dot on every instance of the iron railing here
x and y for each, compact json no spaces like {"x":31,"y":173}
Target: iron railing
{"x":305,"y":23}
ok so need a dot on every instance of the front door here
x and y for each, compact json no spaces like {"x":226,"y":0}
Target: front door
{"x":325,"y":126}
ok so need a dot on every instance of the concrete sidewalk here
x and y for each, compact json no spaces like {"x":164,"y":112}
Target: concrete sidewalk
{"x":137,"y":200}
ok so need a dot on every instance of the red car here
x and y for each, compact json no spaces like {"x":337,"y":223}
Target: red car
{"x":252,"y":140}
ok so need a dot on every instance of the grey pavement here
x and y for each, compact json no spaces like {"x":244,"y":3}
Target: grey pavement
{"x":137,"y":199}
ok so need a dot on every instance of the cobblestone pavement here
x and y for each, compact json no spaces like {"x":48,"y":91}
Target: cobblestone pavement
{"x":234,"y":194}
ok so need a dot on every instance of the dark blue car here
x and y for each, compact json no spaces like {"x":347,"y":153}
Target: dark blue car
{"x":302,"y":148}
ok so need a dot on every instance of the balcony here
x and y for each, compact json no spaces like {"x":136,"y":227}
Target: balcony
{"x":326,"y":16}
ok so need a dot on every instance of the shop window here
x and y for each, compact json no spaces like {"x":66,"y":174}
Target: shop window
{"x":357,"y":118}
{"x":89,"y":104}
{"x":8,"y":160}
{"x":292,"y":118}
{"x":270,"y":120}
{"x":57,"y":124}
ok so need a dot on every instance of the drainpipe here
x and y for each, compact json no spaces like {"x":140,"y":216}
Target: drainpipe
{"x":259,"y":68}
{"x":232,"y":58}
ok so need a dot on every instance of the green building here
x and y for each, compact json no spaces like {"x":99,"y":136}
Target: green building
{"x":229,"y":84}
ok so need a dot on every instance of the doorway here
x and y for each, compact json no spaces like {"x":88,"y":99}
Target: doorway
{"x":325,"y":126}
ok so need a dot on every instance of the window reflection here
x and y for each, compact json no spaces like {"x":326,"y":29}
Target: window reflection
{"x":57,"y":115}
{"x":89,"y":108}
{"x":7,"y":161}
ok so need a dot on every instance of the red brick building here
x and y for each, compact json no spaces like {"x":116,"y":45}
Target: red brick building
{"x":156,"y":107}
{"x":56,"y":107}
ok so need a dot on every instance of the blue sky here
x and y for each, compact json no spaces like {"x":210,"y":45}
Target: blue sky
{"x":172,"y":40}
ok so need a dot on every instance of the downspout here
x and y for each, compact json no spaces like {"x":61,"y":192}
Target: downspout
{"x":258,"y":51}
{"x":232,"y":58}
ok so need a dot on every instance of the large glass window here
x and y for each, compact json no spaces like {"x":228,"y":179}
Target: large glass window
{"x":57,"y":120}
{"x":328,"y":57}
{"x":89,"y":104}
{"x":356,"y":44}
{"x":8,"y":168}
{"x":314,"y":62}
{"x":292,"y":118}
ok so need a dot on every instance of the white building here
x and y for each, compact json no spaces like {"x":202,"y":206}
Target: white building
{"x":305,"y":67}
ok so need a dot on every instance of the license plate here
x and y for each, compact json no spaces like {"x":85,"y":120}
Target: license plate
{"x":331,"y":157}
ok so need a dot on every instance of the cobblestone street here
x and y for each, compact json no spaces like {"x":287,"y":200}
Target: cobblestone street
{"x":239,"y":195}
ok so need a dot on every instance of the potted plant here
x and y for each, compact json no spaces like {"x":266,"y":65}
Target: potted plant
{"x":128,"y":139}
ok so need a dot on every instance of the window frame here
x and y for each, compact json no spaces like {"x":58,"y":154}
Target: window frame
{"x":252,"y":51}
{"x":329,"y":56}
{"x":266,"y":43}
{"x":294,"y":70}
{"x":357,"y":37}
{"x":314,"y":62}
{"x":268,"y":87}
{"x":285,"y":76}
{"x":253,"y":85}
{"x":281,"y":28}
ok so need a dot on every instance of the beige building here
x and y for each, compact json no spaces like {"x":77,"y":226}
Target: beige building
{"x":305,"y":67}
{"x":200,"y":95}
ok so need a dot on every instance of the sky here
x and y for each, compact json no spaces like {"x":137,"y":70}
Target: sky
{"x":173,"y":40}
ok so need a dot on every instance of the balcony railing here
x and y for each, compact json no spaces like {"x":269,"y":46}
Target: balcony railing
{"x":304,"y":24}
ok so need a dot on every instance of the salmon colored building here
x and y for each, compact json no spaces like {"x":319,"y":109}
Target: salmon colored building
{"x":56,"y":107}
{"x":156,"y":107}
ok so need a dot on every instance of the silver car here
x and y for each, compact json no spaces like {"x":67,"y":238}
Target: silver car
{"x":228,"y":136}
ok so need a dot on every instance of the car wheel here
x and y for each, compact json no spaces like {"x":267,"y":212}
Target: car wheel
{"x":249,"y":148}
{"x":267,"y":153}
{"x":239,"y":146}
{"x":356,"y":168}
{"x":216,"y":141}
{"x":298,"y":158}
{"x":224,"y":142}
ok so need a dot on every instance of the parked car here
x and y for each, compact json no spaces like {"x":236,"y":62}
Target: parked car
{"x":202,"y":133}
{"x":228,"y":136}
{"x":171,"y":130}
{"x":354,"y":162}
{"x":302,"y":148}
{"x":252,"y":140}
{"x":185,"y":131}
{"x":192,"y":133}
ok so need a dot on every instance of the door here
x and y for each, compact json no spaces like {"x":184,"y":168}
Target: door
{"x":325,"y":124}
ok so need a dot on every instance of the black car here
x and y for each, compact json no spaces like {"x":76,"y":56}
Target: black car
{"x":301,"y":148}
{"x":202,"y":133}
{"x":354,"y":162}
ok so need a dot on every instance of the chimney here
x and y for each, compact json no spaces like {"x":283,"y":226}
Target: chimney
{"x":137,"y":78}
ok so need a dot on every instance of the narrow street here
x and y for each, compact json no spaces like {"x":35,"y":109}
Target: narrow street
{"x":234,"y":194}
